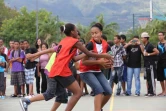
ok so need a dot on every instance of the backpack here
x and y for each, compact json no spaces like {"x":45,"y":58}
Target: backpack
{"x":19,"y":52}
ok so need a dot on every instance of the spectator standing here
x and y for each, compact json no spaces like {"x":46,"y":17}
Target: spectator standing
{"x":22,"y":45}
{"x":2,"y":64}
{"x":124,"y":77}
{"x":161,"y":66}
{"x":17,"y":72}
{"x":5,"y":51}
{"x":134,"y":51}
{"x":30,"y":67}
{"x":43,"y":60}
{"x":119,"y":55}
{"x":150,"y":57}
{"x":37,"y":72}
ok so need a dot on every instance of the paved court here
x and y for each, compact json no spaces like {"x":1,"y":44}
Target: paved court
{"x":120,"y":103}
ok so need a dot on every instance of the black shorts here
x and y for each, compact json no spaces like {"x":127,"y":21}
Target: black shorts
{"x":65,"y":81}
{"x":160,"y":73}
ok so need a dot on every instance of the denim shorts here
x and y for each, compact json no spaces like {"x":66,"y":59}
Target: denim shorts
{"x":97,"y":81}
{"x":55,"y":89}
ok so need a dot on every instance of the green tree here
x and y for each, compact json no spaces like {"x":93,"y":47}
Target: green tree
{"x":108,"y":29}
{"x":152,"y":28}
{"x":85,"y":32}
{"x":6,"y":12}
{"x":23,"y":26}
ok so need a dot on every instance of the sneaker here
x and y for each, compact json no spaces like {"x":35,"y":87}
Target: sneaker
{"x":136,"y":95}
{"x":13,"y":95}
{"x":128,"y":94}
{"x":24,"y":104}
{"x":150,"y":95}
{"x":118,"y":94}
{"x":146,"y":95}
{"x":2,"y":97}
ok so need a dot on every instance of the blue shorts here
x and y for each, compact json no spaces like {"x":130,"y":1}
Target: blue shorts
{"x":124,"y":77}
{"x":97,"y":81}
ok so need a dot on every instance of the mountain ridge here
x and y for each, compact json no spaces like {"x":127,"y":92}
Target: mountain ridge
{"x":84,"y":12}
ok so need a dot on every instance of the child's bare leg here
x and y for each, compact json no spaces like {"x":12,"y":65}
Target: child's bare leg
{"x":75,"y":89}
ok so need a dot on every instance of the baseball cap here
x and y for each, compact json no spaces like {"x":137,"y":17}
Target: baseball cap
{"x":145,"y":34}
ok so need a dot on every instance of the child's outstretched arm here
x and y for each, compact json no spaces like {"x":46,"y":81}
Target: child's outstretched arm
{"x":38,"y":54}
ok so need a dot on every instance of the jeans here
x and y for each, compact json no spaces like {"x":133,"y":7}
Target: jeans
{"x":117,"y":72}
{"x":136,"y":73}
{"x":124,"y":77}
{"x":97,"y":81}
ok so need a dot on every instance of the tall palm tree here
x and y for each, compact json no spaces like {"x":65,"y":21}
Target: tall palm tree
{"x":108,"y":29}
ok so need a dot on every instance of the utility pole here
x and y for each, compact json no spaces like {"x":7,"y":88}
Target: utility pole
{"x":151,"y":10}
{"x":37,"y":25}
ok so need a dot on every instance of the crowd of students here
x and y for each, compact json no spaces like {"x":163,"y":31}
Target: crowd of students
{"x":68,"y":66}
